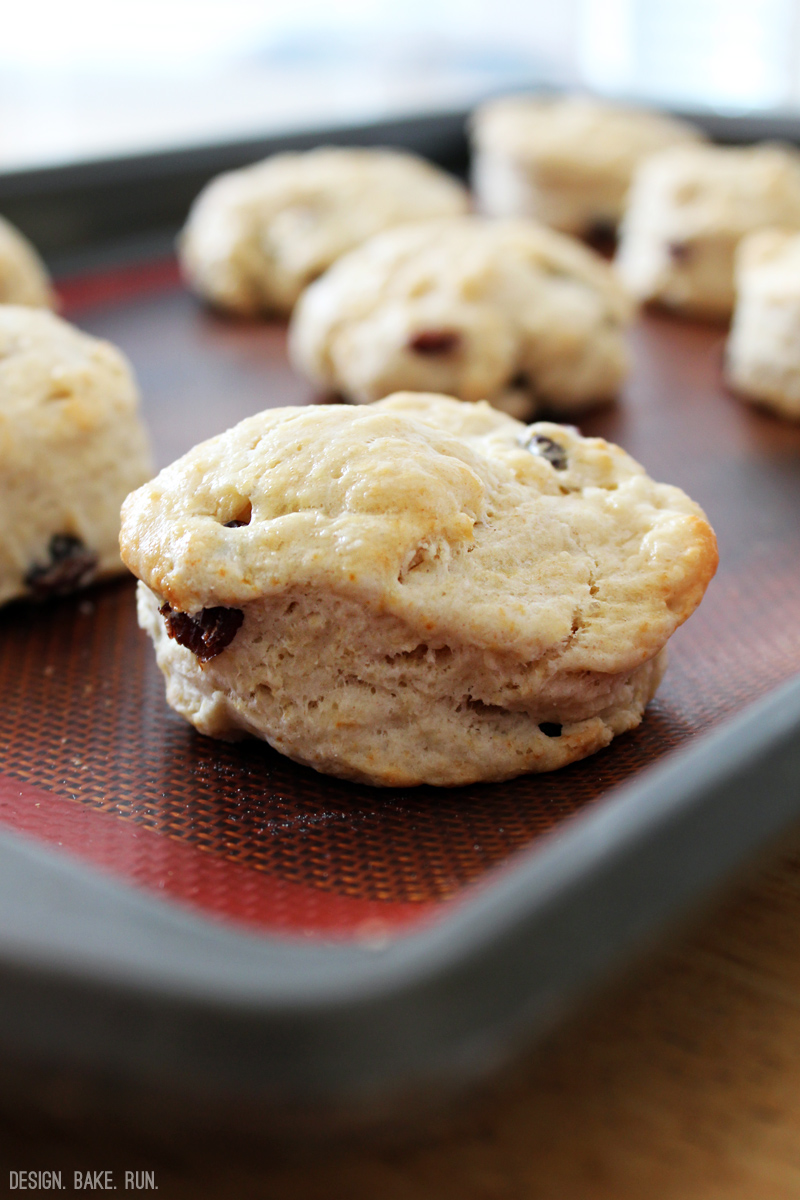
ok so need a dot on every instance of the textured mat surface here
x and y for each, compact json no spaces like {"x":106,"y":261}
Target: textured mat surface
{"x":93,"y":761}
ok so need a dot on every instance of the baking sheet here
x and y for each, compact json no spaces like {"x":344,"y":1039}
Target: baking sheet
{"x":95,"y":765}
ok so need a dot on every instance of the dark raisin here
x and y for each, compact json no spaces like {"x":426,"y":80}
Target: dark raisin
{"x":71,"y":565}
{"x":235,"y":524}
{"x":679,"y":252}
{"x":521,"y":380}
{"x":550,"y":729}
{"x":601,"y":235}
{"x":435,"y":341}
{"x":206,"y":634}
{"x":545,"y":447}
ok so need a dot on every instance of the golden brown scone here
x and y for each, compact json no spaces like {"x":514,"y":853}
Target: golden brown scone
{"x":256,"y":237}
{"x":565,"y":160}
{"x":688,"y":210}
{"x":72,"y":445}
{"x":505,"y":311}
{"x":418,"y":591}
{"x":23,"y":275}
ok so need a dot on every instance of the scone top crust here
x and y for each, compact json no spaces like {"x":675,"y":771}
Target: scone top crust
{"x":722,"y":191}
{"x":255,"y":237}
{"x":513,"y":296}
{"x":575,"y":134}
{"x":53,"y":377}
{"x":469,"y":526}
{"x":23,"y":277}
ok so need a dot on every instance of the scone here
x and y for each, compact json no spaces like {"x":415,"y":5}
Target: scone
{"x":23,"y":275}
{"x":505,"y":311}
{"x":690,"y":207}
{"x":256,"y":237}
{"x":72,"y":445}
{"x":763,"y":352}
{"x":565,"y":160}
{"x":420,"y":591}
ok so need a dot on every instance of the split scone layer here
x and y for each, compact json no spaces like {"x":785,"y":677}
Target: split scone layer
{"x":762,"y":359}
{"x":23,"y":275}
{"x":256,"y":237}
{"x":505,"y":311}
{"x":567,"y":161}
{"x":422,"y":591}
{"x":72,"y":445}
{"x":688,"y":210}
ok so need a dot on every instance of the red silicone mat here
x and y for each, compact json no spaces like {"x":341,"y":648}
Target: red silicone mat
{"x":92,"y":760}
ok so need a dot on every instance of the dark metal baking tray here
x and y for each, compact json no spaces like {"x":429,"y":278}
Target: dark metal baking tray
{"x":193,"y":933}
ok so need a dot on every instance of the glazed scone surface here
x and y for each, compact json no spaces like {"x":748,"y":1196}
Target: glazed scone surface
{"x":506,"y":311}
{"x":72,"y":445}
{"x":763,"y":351}
{"x":567,"y":161}
{"x":418,"y":591}
{"x":23,"y":276}
{"x":689,"y":209}
{"x":256,"y":237}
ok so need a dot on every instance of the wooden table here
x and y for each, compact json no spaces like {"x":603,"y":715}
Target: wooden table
{"x":681,"y":1081}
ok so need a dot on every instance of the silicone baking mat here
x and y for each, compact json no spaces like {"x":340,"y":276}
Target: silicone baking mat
{"x":92,"y":760}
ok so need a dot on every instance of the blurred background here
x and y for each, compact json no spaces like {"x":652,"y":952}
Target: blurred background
{"x":92,"y":79}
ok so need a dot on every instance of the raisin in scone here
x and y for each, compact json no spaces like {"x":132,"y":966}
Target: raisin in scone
{"x":566,"y":160}
{"x":762,"y":359}
{"x":505,"y":311}
{"x":689,"y":208}
{"x":256,"y":237}
{"x":72,"y":445}
{"x":23,"y":275}
{"x":419,"y":591}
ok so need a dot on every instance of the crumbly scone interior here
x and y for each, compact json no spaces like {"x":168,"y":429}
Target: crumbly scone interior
{"x":356,"y":694}
{"x":425,"y":543}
